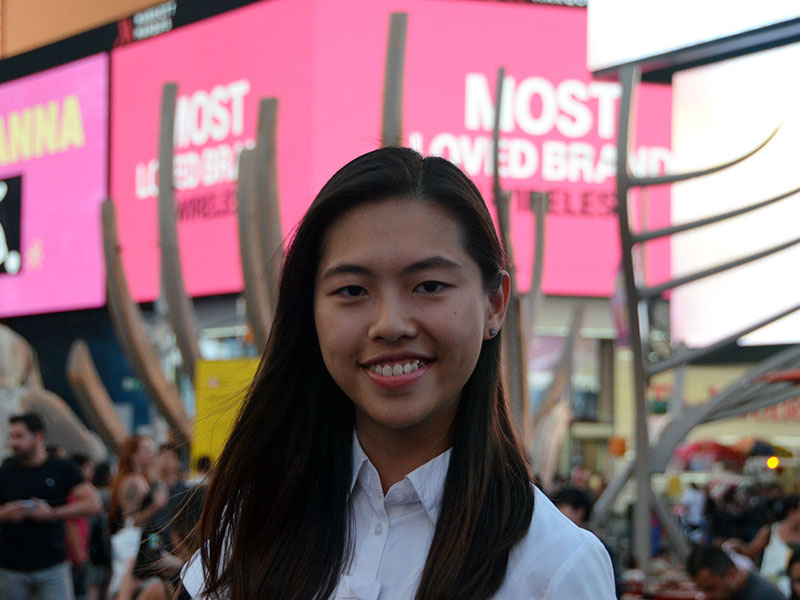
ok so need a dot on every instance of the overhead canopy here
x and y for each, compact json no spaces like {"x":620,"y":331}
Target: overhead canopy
{"x":755,"y":447}
{"x":701,"y":454}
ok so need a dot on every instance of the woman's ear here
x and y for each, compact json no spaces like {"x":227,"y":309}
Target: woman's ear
{"x":497,"y":306}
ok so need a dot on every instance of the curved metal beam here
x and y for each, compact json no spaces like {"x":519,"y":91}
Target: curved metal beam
{"x":256,"y":289}
{"x":646,"y":236}
{"x":392,"y":122}
{"x":93,"y":398}
{"x":672,"y":435}
{"x":514,"y":330}
{"x":656,"y":290}
{"x":500,"y":197}
{"x":719,"y":406}
{"x":269,"y":212}
{"x":686,"y":356}
{"x":535,"y":295}
{"x":132,"y":335}
{"x":664,"y":179}
{"x":180,"y":312}
{"x":629,"y":78}
{"x":758,"y":402}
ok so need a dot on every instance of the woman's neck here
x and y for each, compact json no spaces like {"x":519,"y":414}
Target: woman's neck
{"x":395,"y":454}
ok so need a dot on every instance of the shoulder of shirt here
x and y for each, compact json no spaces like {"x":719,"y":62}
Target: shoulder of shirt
{"x":552,"y":542}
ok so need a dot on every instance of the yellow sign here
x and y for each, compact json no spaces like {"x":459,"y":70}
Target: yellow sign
{"x":220,"y":388}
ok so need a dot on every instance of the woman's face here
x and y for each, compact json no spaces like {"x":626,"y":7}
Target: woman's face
{"x":401,"y":314}
{"x":145,"y":454}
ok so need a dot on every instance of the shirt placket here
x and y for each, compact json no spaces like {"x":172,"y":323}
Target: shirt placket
{"x":377,"y":529}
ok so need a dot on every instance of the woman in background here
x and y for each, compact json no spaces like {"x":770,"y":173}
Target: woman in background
{"x":133,"y":503}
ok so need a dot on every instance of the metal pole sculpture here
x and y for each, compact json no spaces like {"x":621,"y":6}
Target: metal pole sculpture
{"x":180,"y":312}
{"x":550,"y":423}
{"x":256,"y":285}
{"x":639,"y":298}
{"x":132,"y":335}
{"x":522,"y":307}
{"x":748,"y":393}
{"x":268,"y":208}
{"x":392,"y":126}
{"x":514,"y":335}
{"x":93,"y":398}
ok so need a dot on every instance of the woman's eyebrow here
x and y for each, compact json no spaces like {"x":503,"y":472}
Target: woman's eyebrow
{"x":346,"y":269}
{"x":433,"y":262}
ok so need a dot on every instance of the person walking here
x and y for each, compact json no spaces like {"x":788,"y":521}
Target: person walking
{"x":34,"y":488}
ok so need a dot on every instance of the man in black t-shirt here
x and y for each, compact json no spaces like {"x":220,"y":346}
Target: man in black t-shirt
{"x":34,"y":489}
{"x":716,"y":575}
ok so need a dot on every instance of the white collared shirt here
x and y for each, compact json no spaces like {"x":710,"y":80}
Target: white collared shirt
{"x":556,"y":560}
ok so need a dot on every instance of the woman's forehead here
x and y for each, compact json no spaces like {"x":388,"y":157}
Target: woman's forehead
{"x":403,"y":228}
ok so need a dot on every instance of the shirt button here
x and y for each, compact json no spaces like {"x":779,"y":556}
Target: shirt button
{"x":378,"y":529}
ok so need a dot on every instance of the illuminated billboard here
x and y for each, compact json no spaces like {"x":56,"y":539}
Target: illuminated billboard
{"x":257,"y":51}
{"x":558,"y":125}
{"x":626,"y":31}
{"x":325,"y":63}
{"x":720,"y":112}
{"x":53,"y":148}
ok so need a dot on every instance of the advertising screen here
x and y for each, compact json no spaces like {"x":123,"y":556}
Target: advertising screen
{"x":558,"y":125}
{"x":721,"y":112}
{"x":325,"y":62}
{"x":53,"y":148}
{"x":624,"y":31}
{"x":222,"y":66}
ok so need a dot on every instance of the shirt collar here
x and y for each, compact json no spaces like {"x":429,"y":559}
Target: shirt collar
{"x":427,"y":480}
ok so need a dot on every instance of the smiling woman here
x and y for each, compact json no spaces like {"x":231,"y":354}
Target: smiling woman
{"x":375,"y":456}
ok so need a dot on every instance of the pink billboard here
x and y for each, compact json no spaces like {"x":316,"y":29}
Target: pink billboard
{"x":53,"y":149}
{"x":222,"y":66}
{"x":325,"y":63}
{"x":558,"y":125}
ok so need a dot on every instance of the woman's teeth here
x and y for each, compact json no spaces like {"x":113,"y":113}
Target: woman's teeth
{"x":391,"y":369}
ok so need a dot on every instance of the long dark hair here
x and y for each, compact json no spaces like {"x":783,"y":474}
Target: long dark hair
{"x":276,"y":521}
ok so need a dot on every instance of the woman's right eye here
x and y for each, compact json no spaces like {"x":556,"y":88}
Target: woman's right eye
{"x":351,"y":291}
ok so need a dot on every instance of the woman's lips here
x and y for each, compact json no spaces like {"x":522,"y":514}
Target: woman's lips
{"x":393,"y":382}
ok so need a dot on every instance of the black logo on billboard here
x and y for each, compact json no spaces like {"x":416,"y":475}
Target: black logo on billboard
{"x":10,"y":225}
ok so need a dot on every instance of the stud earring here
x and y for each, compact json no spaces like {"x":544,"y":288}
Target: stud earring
{"x":492,"y":332}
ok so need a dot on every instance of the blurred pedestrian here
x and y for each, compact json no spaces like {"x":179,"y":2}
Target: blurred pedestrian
{"x":134,"y":501}
{"x":694,"y":501}
{"x":775,"y":543}
{"x":182,"y":538}
{"x":718,"y":578}
{"x":203,"y":471}
{"x":156,"y":540}
{"x":99,"y":568}
{"x":34,"y":488}
{"x":77,"y":534}
{"x":794,"y":576}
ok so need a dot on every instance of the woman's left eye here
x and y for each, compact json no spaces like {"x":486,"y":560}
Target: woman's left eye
{"x":430,"y":287}
{"x":351,"y":291}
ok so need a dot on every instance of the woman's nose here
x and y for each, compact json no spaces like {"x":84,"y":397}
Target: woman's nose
{"x":392,"y":320}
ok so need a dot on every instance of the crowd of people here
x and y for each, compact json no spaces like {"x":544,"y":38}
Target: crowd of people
{"x":113,"y":531}
{"x":757,"y":526}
